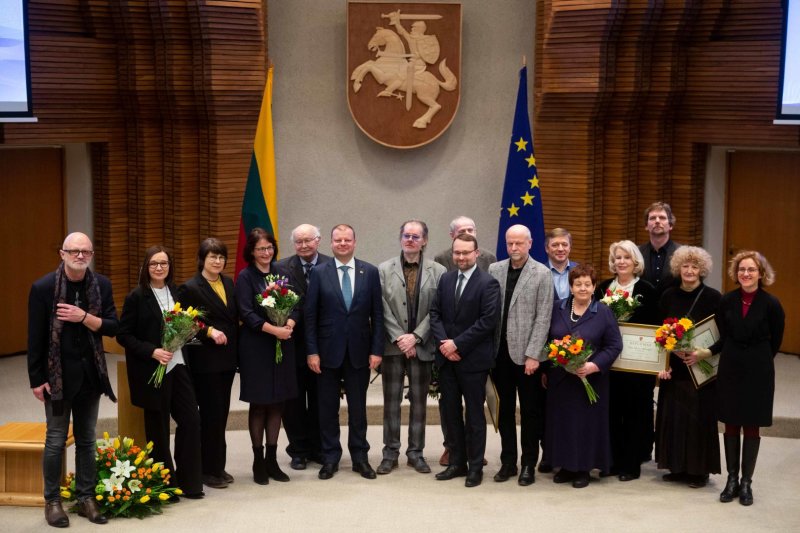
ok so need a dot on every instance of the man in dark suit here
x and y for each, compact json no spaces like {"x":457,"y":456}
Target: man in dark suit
{"x":463,"y":319}
{"x":300,"y":415}
{"x":657,"y":252}
{"x":344,"y":341}
{"x":69,"y":311}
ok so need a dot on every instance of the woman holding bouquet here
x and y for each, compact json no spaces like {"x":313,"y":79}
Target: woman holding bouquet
{"x":577,"y":438}
{"x":265,"y":383}
{"x":141,"y":329}
{"x":631,"y":414}
{"x":750,"y":323}
{"x":686,"y":423}
{"x":213,"y":363}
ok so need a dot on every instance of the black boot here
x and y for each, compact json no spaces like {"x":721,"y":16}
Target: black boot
{"x":259,"y":466}
{"x":273,"y":470}
{"x":749,"y":456}
{"x":732,"y":445}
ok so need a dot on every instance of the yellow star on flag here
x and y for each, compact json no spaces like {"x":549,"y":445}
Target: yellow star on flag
{"x":534,"y":181}
{"x":531,"y":161}
{"x":512,"y":211}
{"x":527,"y":199}
{"x":521,"y":144}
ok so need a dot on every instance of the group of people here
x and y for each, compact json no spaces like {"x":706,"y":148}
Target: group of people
{"x":459,"y":318}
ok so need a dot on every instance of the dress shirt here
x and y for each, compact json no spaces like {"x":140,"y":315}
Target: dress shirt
{"x":560,"y":280}
{"x":350,"y":272}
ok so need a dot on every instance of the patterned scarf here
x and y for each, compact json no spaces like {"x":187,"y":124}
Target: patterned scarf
{"x":56,"y":327}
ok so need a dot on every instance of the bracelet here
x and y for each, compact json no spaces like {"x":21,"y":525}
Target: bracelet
{"x":85,"y":314}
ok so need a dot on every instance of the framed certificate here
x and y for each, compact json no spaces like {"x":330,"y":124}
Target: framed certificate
{"x":705,"y":334}
{"x":640,"y":353}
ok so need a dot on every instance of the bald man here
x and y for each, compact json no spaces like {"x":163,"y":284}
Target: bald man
{"x":69,"y":312}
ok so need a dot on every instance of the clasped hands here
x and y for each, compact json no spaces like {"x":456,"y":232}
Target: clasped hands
{"x":314,"y":362}
{"x":449,"y":350}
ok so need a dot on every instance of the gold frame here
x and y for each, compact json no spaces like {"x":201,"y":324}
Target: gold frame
{"x":646,"y":333}
{"x":708,"y":325}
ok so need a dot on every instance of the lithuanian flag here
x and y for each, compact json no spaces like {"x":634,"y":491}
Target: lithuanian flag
{"x":260,"y":203}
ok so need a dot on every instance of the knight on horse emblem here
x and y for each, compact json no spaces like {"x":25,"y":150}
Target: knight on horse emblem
{"x":401,"y":68}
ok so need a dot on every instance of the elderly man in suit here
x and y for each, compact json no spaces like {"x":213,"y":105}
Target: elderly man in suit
{"x":344,"y":341}
{"x":657,"y":252}
{"x":409,"y":287}
{"x":300,"y":415}
{"x":463,"y":319}
{"x":526,"y":296}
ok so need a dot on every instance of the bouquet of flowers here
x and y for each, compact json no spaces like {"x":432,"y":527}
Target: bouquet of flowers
{"x":129,"y":483}
{"x":675,"y":335}
{"x":180,"y":325}
{"x":621,"y":303}
{"x":277,"y":300}
{"x":570,"y":353}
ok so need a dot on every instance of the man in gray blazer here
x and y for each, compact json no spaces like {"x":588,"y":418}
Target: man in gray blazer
{"x":409,"y":286}
{"x":526,"y":291}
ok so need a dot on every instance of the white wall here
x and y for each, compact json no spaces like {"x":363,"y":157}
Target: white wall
{"x":329,"y":172}
{"x":78,"y":188}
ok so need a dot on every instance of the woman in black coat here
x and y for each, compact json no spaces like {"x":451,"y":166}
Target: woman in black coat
{"x":213,"y":362}
{"x":750,"y":323}
{"x":140,"y":330}
{"x":687,"y":442}
{"x":631,"y":413}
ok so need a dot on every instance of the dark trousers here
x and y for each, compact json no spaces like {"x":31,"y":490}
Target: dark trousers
{"x":182,"y":407}
{"x":511,"y":381}
{"x":631,"y":420}
{"x":213,"y":393}
{"x":301,"y":416}
{"x":83,"y":409}
{"x":394,"y":368}
{"x":356,"y":381}
{"x":467,"y":428}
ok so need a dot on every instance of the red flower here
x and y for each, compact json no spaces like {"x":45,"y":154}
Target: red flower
{"x":625,"y":294}
{"x":167,"y":319}
{"x":284,"y":291}
{"x":561,"y":359}
{"x":608,"y":292}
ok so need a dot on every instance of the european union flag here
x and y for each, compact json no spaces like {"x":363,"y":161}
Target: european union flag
{"x":522,"y":199}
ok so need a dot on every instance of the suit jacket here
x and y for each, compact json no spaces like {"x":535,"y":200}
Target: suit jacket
{"x":140,"y":333}
{"x":667,"y":279}
{"x":331,"y":330}
{"x":471,"y":326}
{"x":210,"y":357}
{"x":395,"y":305}
{"x":485,"y":258}
{"x":528,"y":321}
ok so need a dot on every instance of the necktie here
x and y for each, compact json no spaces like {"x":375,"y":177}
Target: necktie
{"x":347,"y":289}
{"x":308,"y":267}
{"x":459,"y":287}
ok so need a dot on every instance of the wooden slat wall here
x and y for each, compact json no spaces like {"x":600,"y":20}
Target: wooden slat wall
{"x":168,"y":93}
{"x":630,"y":95}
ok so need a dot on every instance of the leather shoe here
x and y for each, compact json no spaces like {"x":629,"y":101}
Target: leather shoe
{"x":55,"y":515}
{"x":91,"y":510}
{"x":697,"y":481}
{"x":194,"y":495}
{"x":625,"y":476}
{"x":214,"y":482}
{"x":226,"y":477}
{"x":298,"y":463}
{"x":563,"y":476}
{"x":545,"y":468}
{"x":581,"y":480}
{"x":327,"y":470}
{"x":363,"y":468}
{"x":474,"y":478}
{"x":678,"y":477}
{"x":419,"y":464}
{"x":505,"y":472}
{"x":451,"y":472}
{"x":444,"y":460}
{"x":386,"y":466}
{"x":526,"y":476}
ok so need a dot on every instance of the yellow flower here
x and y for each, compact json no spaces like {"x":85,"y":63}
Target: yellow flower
{"x":164,"y":471}
{"x":66,"y":494}
{"x":178,"y":492}
{"x":562,"y":352}
{"x":127,"y":442}
{"x":163,"y":496}
{"x":144,"y":499}
{"x":686,"y":323}
{"x":194,"y":313}
{"x":149,"y":446}
{"x":99,"y":497}
{"x":156,"y":466}
{"x":105,"y":435}
{"x":138,"y":460}
{"x":116,"y":443}
{"x":177,"y":307}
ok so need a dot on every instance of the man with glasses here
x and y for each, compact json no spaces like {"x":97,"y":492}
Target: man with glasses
{"x":409,"y":285}
{"x":69,"y":312}
{"x":464,"y":316}
{"x":301,"y":415}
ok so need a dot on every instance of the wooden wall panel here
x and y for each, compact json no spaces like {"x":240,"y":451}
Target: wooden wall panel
{"x":629,"y":96}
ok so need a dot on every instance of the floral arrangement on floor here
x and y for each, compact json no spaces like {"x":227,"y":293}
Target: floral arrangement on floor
{"x":675,"y":335}
{"x":278,"y":301}
{"x":180,"y":326}
{"x":129,"y":483}
{"x":621,"y":303}
{"x":570,"y":353}
{"x":433,"y":387}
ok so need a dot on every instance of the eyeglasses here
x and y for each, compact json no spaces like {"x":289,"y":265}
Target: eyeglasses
{"x":305,"y":242}
{"x":463,"y":254}
{"x":76,"y":253}
{"x":411,"y":237}
{"x":264,"y":249}
{"x":215,"y":258}
{"x":154,"y":265}
{"x":750,"y":270}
